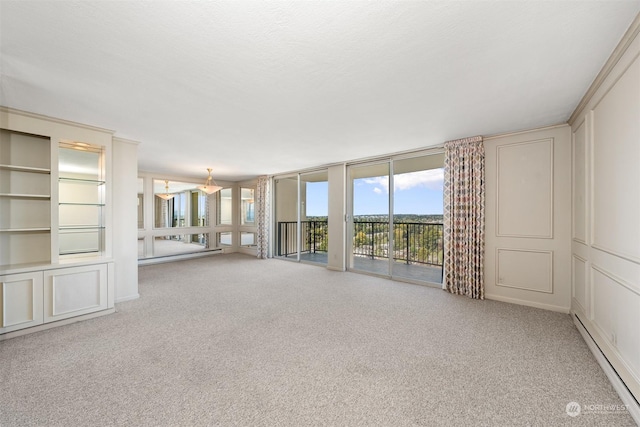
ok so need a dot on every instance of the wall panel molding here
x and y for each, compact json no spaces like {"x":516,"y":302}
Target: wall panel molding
{"x":614,"y":193}
{"x":635,"y":288}
{"x":616,"y":314}
{"x":525,"y":269}
{"x":85,"y":285}
{"x":579,"y":163}
{"x":580,"y":293}
{"x":524,"y":199}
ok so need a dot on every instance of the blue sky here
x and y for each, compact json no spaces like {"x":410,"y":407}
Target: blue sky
{"x":415,"y":193}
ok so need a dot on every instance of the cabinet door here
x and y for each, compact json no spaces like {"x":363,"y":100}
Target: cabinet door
{"x":20,"y":301}
{"x":74,"y":291}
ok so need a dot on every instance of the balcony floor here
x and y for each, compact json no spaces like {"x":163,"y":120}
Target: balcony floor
{"x":418,"y":272}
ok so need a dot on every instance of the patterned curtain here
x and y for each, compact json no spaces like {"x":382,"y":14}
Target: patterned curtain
{"x":464,"y":201}
{"x":262,"y":216}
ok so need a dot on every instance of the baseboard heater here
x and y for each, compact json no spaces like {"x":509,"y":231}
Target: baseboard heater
{"x":177,"y":257}
{"x":633,"y":406}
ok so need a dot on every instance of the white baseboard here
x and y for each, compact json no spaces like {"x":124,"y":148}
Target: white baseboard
{"x":128,"y":298}
{"x":627,"y":398}
{"x":534,"y":304}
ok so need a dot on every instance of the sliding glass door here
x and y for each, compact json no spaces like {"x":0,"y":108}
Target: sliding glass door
{"x":395,"y":218}
{"x":314,"y":210}
{"x":369,"y":218}
{"x":301,"y":217}
{"x":417,"y":218}
{"x":286,"y":217}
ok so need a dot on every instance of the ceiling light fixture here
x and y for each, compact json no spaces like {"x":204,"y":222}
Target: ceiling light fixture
{"x":166,"y":195}
{"x":210,"y":185}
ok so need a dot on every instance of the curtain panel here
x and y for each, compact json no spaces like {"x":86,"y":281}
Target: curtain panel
{"x":262,"y":214}
{"x":464,"y":217}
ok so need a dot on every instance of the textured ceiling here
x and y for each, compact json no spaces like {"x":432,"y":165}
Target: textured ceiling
{"x":252,"y":88}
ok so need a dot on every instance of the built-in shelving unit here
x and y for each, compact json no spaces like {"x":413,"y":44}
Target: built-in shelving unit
{"x":25,"y":198}
{"x":81,"y":200}
{"x":54,"y":236}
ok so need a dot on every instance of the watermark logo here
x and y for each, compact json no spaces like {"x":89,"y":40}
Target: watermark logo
{"x":573,"y":409}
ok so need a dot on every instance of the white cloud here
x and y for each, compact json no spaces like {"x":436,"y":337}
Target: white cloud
{"x":431,"y":179}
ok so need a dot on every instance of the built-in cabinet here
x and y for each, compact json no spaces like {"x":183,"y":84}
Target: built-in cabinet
{"x":22,"y":301}
{"x":70,"y":292}
{"x":55,"y":255}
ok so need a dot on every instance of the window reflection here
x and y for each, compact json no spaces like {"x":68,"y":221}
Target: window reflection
{"x":247,"y":239}
{"x":225,"y":210}
{"x":140,"y":203}
{"x":224,"y":239}
{"x":247,"y":207}
{"x":186,"y":205}
{"x":180,"y":244}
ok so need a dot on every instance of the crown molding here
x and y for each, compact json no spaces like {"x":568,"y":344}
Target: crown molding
{"x":10,"y":110}
{"x":613,"y":60}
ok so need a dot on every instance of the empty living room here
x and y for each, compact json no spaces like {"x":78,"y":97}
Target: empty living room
{"x":288,"y":213}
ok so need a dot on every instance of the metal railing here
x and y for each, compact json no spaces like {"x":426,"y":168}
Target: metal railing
{"x":414,"y":242}
{"x":314,"y":237}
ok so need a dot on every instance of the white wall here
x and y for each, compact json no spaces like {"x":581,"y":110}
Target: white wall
{"x":125,"y":227}
{"x":606,"y":211}
{"x":528,"y":218}
{"x":285,"y":195}
{"x":337,"y":225}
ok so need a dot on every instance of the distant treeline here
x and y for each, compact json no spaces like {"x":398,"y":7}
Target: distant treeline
{"x":398,"y":218}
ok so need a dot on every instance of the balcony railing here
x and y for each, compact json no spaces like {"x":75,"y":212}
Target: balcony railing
{"x":414,"y":242}
{"x":314,"y":237}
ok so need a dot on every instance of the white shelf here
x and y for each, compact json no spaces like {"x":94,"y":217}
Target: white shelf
{"x":26,"y":196}
{"x":81,"y":181}
{"x":25,"y":169}
{"x":81,"y":227}
{"x":24,"y":230}
{"x":81,"y":204}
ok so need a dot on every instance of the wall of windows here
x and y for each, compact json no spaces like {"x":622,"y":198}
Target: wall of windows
{"x":382,"y":217}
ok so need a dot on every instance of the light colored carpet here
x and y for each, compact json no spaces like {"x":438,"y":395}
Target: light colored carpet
{"x":231,"y":340}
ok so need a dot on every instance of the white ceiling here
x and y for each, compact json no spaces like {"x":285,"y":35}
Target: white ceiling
{"x":251,"y":88}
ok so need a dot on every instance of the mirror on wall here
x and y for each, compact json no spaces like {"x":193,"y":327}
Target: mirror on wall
{"x":179,"y":204}
{"x":247,"y":238}
{"x":247,"y":206}
{"x":180,"y":244}
{"x":140,"y":203}
{"x":224,"y":239}
{"x":225,"y":212}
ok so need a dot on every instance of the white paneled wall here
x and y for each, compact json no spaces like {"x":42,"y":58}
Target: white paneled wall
{"x":606,"y":212}
{"x":528,"y":214}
